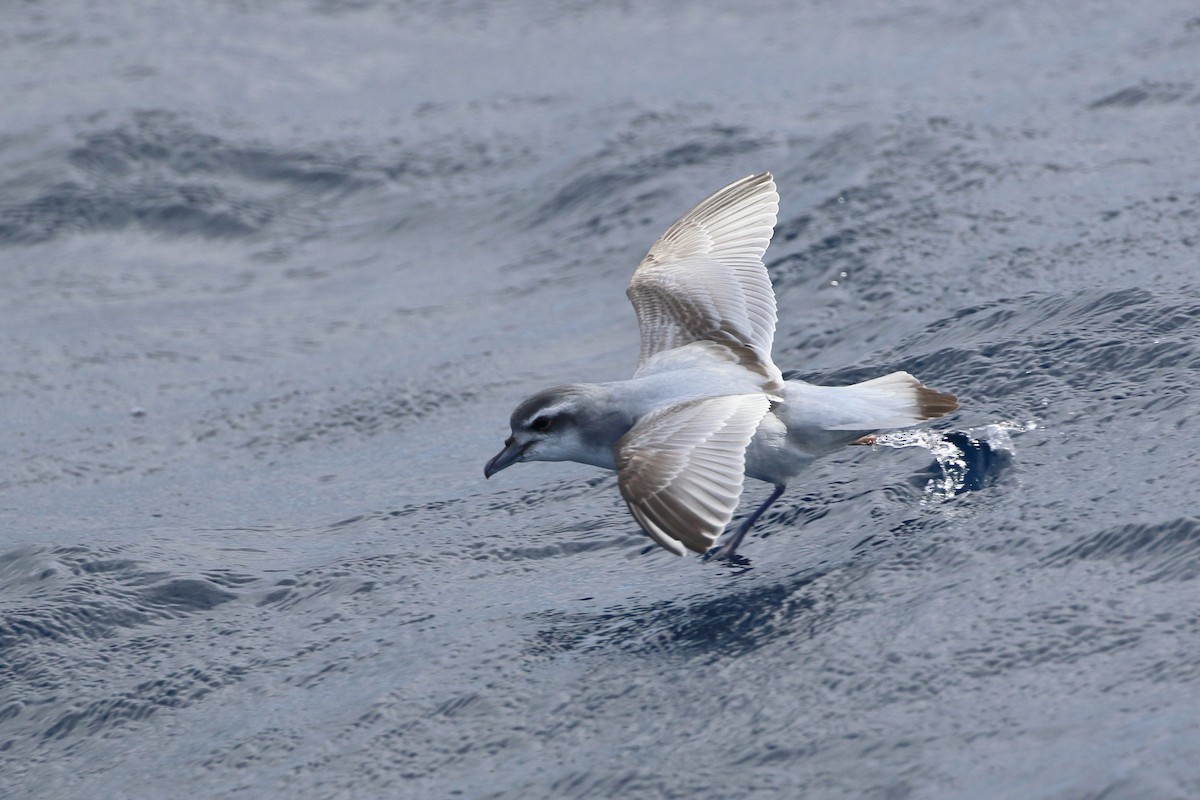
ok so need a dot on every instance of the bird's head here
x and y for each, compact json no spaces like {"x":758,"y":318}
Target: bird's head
{"x":566,"y":423}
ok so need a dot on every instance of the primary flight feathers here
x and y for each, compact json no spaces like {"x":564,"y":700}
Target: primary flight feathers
{"x":704,"y":279}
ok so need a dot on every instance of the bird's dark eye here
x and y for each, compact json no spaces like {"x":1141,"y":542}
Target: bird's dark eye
{"x":541,"y":424}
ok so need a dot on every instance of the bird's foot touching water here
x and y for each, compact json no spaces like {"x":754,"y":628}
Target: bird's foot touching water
{"x":719,"y":555}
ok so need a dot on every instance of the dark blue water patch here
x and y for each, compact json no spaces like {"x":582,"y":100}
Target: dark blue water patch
{"x":786,"y":231}
{"x":166,"y":177}
{"x":974,"y":464}
{"x":187,"y":594}
{"x":450,"y":156}
{"x":352,"y":580}
{"x":1148,"y":93}
{"x":305,"y":587}
{"x":72,"y":613}
{"x":585,"y":190}
{"x":72,"y":207}
{"x":846,"y":250}
{"x":605,"y":181}
{"x":834,"y":234}
{"x":176,"y":689}
{"x":73,"y":594}
{"x":833,"y":161}
{"x":83,"y":680}
{"x":159,"y":143}
{"x":1156,"y":551}
{"x":897,"y":196}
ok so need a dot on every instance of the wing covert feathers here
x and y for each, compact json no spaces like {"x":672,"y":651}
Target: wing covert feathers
{"x":704,"y":279}
{"x":681,"y":468}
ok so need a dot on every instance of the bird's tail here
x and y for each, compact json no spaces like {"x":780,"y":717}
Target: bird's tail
{"x":910,"y":397}
{"x":896,"y":400}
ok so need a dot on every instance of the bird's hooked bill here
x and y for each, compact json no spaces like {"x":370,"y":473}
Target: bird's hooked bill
{"x":510,"y":455}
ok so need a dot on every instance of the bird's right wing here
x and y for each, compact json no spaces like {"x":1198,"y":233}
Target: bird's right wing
{"x":681,"y":468}
{"x":704,"y":279}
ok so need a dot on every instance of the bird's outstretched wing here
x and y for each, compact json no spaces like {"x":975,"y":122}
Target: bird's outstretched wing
{"x":681,"y":468}
{"x":704,"y":280}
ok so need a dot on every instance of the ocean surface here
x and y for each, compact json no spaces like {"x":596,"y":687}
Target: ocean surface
{"x":273,"y":276}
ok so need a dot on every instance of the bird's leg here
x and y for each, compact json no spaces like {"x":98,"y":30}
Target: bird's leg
{"x":729,"y":548}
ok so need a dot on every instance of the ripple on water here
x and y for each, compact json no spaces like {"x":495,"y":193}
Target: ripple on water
{"x":165,"y":176}
{"x":1155,"y":551}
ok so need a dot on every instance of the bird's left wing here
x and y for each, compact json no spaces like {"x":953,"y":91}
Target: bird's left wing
{"x":704,"y":279}
{"x":681,"y":468}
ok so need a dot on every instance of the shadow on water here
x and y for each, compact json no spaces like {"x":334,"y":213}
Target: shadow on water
{"x":726,"y":623}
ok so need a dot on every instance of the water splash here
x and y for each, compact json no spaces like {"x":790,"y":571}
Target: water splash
{"x":966,"y":460}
